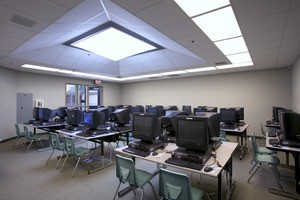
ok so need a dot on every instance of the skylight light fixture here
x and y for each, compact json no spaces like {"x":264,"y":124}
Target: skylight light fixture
{"x":239,"y":58}
{"x":113,"y":41}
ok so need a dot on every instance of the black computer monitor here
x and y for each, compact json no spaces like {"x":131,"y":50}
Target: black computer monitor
{"x":137,"y":109}
{"x":106,"y":113}
{"x":157,"y":110}
{"x":275,"y":112}
{"x":228,"y":115}
{"x":213,"y":123}
{"x":121,"y":116}
{"x":168,"y":121}
{"x":239,"y":113}
{"x":187,"y":109}
{"x":199,"y":110}
{"x":41,"y":114}
{"x":290,"y":126}
{"x":93,"y":119}
{"x":74,"y":117}
{"x":191,"y":133}
{"x":145,"y":127}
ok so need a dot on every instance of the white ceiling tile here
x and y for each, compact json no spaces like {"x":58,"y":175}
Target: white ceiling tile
{"x":65,"y":61}
{"x":135,"y":5}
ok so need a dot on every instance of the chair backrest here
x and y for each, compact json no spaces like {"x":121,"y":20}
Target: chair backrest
{"x":263,"y":132}
{"x":125,"y":170}
{"x":223,"y":134}
{"x":69,"y":146}
{"x":254,"y":148}
{"x":27,"y":133}
{"x":17,"y":130}
{"x":54,"y":140}
{"x":174,"y":185}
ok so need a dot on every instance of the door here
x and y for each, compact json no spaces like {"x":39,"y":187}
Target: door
{"x":24,"y":107}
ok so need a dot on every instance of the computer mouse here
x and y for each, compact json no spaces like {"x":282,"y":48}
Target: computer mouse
{"x":154,"y":153}
{"x":208,"y":169}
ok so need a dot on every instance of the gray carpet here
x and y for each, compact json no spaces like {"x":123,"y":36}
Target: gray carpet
{"x":24,"y":176}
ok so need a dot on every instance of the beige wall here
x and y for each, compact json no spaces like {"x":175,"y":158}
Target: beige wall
{"x":296,"y":85}
{"x":50,"y":89}
{"x":256,"y":91}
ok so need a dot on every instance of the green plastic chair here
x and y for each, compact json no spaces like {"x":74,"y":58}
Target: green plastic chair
{"x":56,"y":145}
{"x":20,"y":136}
{"x":78,"y":152}
{"x":264,"y":133}
{"x":136,"y":178}
{"x":259,"y":159}
{"x":262,"y":150}
{"x":174,"y":185}
{"x":30,"y":137}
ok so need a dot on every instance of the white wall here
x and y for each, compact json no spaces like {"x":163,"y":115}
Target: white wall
{"x":256,"y":91}
{"x":296,"y":85}
{"x":50,"y":89}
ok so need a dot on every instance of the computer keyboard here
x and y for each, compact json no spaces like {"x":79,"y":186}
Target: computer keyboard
{"x":273,"y":141}
{"x":290,"y":143}
{"x":90,"y":133}
{"x":185,"y":163}
{"x":137,"y":152}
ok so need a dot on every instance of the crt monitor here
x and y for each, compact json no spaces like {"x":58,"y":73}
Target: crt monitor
{"x":228,"y":115}
{"x":168,"y":120}
{"x":93,"y":119}
{"x":105,"y":112}
{"x":74,"y":117}
{"x":121,"y":116}
{"x":145,"y":127}
{"x":157,"y":110}
{"x":137,"y":109}
{"x":200,"y":110}
{"x":290,"y":125}
{"x":213,"y":123}
{"x":187,"y":109}
{"x":239,"y":113}
{"x":41,"y":114}
{"x":192,"y":133}
{"x":275,"y":112}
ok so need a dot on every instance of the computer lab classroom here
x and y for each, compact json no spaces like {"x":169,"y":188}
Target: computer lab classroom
{"x":186,"y":67}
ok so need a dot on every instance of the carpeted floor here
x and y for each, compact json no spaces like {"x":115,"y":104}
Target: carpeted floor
{"x":24,"y":176}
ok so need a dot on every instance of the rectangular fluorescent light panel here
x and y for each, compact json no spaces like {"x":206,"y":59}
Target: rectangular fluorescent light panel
{"x":28,"y":66}
{"x":239,"y":58}
{"x":201,"y":69}
{"x":246,"y":64}
{"x":197,"y":7}
{"x":113,"y":44}
{"x":232,"y":46}
{"x":218,"y":25}
{"x":174,"y":72}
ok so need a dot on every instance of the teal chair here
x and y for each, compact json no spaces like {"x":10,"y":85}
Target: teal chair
{"x":174,"y":185}
{"x":222,"y":137}
{"x":264,"y":134}
{"x":260,"y":159}
{"x":136,"y":178}
{"x":30,"y":137}
{"x":20,"y":136}
{"x":261,"y":150}
{"x":56,"y":145}
{"x":71,"y":150}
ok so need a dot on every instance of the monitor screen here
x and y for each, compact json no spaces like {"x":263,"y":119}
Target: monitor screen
{"x":121,"y":116}
{"x":290,"y":125}
{"x":74,"y":117}
{"x":93,"y":119}
{"x":145,"y":127}
{"x":192,"y":133}
{"x":228,"y":115}
{"x":41,"y":114}
{"x":106,"y":113}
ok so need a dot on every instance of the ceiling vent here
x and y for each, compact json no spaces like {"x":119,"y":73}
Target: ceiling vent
{"x":23,"y":21}
{"x":220,"y":63}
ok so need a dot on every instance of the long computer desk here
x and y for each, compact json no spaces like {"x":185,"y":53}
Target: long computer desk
{"x":240,"y":131}
{"x":296,"y":155}
{"x":100,"y":138}
{"x":224,"y":157}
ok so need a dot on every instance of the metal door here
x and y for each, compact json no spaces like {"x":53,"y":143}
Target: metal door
{"x":24,"y":107}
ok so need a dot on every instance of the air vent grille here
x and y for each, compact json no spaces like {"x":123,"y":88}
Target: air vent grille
{"x":23,"y":21}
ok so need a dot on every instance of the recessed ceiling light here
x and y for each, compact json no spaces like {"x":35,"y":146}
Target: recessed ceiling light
{"x":232,"y":46}
{"x":246,"y":64}
{"x":50,"y":69}
{"x":113,"y":41}
{"x":201,"y":69}
{"x":174,"y":72}
{"x":240,"y":57}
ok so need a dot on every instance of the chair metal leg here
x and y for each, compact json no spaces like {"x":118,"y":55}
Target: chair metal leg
{"x":50,"y":157}
{"x":59,"y":161}
{"x":142,"y":195}
{"x":276,"y":175}
{"x":252,"y":167}
{"x":29,"y":145}
{"x":75,"y":167}
{"x":117,"y":190}
{"x":16,"y":140}
{"x":64,"y":163}
{"x":152,"y":189}
{"x":262,"y":139}
{"x":254,"y":172}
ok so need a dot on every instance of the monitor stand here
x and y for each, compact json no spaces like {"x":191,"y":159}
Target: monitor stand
{"x":147,"y":146}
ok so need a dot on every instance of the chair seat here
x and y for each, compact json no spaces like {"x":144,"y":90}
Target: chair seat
{"x":142,"y":177}
{"x":264,"y":150}
{"x":196,"y":193}
{"x":267,"y":159}
{"x":81,"y":150}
